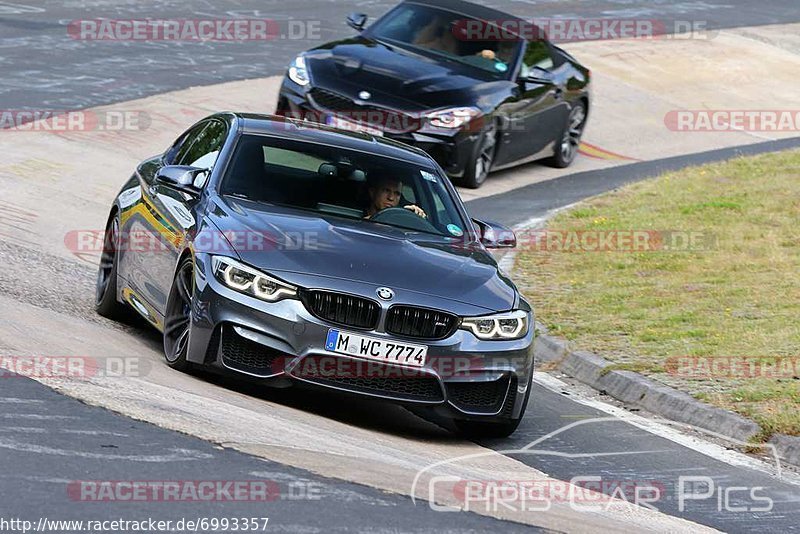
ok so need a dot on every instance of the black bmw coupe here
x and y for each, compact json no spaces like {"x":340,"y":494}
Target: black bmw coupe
{"x":477,"y":89}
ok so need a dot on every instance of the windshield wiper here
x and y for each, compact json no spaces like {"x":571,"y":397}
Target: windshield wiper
{"x":378,"y":41}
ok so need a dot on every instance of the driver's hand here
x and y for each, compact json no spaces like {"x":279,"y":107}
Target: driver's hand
{"x":416,"y":209}
{"x":488,"y":54}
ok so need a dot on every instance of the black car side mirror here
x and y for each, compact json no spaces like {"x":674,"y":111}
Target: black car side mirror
{"x":356,"y":21}
{"x":494,"y":235}
{"x":180,"y":177}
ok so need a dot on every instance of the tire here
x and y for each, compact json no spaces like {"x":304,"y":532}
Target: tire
{"x":106,"y":303}
{"x":177,"y":319}
{"x":570,"y":140}
{"x":480,"y":162}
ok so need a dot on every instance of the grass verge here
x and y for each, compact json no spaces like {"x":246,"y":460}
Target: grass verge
{"x":692,"y":278}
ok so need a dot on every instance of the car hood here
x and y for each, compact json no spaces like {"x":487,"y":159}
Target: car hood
{"x":397,"y":77}
{"x":286,"y":241}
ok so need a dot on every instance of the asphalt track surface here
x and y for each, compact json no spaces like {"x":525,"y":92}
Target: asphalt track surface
{"x":82,"y":74}
{"x":50,"y":443}
{"x":44,"y":68}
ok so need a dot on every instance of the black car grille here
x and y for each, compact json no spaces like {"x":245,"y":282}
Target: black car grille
{"x":420,"y":322}
{"x":420,"y":387}
{"x":347,"y":108}
{"x":342,"y":309}
{"x":331,"y":101}
{"x":480,"y":397}
{"x":248,"y":356}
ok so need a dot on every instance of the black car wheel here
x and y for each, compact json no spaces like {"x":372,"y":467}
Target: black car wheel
{"x":480,"y":163}
{"x":570,"y":141}
{"x":106,"y":303}
{"x":177,"y":320}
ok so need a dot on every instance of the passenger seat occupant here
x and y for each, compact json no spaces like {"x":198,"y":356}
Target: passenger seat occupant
{"x":385,"y":193}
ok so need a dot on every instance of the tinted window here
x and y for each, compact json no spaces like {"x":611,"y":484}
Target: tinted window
{"x":448,"y":34}
{"x":183,"y":143}
{"x":203,"y":151}
{"x":338,"y":182}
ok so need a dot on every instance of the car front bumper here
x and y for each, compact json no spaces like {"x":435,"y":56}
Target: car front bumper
{"x":451,"y":149}
{"x":282,"y":344}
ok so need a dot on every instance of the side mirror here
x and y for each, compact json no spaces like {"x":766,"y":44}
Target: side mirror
{"x":180,"y":177}
{"x":539,"y":75}
{"x":494,"y":235}
{"x":356,"y":21}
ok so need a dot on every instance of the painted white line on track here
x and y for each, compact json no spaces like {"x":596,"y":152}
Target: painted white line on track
{"x":661,"y":429}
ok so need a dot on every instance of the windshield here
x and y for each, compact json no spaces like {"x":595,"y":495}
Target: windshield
{"x":335,"y":181}
{"x":443,"y":32}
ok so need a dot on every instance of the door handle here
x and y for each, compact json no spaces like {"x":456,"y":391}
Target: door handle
{"x":559,"y":93}
{"x":152,"y":190}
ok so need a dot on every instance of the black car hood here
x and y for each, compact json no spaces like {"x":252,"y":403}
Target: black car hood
{"x":397,"y":77}
{"x":313,"y":244}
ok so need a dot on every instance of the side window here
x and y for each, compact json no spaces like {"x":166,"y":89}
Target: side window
{"x":204,"y":150}
{"x":183,"y":143}
{"x":537,"y":54}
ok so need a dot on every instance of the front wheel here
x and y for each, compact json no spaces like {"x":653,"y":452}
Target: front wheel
{"x":177,"y":320}
{"x":106,"y":303}
{"x":480,"y":163}
{"x":570,"y":140}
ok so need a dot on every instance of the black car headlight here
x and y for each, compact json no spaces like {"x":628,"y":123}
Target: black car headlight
{"x":298,"y":72}
{"x":249,"y":281}
{"x":501,"y":326}
{"x":452,"y":117}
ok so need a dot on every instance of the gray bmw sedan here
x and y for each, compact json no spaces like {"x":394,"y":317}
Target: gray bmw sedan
{"x":296,"y":254}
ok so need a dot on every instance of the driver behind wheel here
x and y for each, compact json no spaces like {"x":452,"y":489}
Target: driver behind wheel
{"x":386,"y":193}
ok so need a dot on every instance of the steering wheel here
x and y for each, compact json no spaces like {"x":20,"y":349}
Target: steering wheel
{"x":403,"y":217}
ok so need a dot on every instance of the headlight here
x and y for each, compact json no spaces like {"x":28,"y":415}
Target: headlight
{"x":509,"y":325}
{"x":298,"y":72}
{"x":249,"y":281}
{"x":453,"y":117}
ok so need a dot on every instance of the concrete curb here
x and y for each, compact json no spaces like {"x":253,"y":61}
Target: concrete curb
{"x":639,"y":391}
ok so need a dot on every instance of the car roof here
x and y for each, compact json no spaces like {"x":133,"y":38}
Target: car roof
{"x":288,"y":128}
{"x":468,"y":8}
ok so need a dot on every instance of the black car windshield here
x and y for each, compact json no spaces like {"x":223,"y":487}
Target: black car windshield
{"x":451,"y":35}
{"x":334,"y":181}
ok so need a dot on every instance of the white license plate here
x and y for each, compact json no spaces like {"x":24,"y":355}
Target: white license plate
{"x":344,"y":124}
{"x":383,"y":350}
